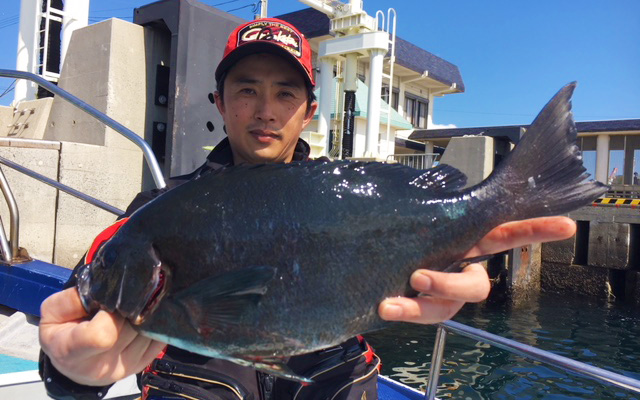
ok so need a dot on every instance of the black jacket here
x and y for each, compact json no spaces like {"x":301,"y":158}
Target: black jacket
{"x":342,"y":372}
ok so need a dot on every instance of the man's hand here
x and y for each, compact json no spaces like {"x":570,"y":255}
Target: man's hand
{"x":449,"y":291}
{"x":97,"y":351}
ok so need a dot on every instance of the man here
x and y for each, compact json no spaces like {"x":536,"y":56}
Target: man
{"x":265,"y":96}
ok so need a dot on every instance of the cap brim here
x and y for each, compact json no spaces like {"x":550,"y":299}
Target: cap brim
{"x":260,"y":47}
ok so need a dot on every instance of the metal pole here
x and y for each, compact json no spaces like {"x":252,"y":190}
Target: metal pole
{"x":436,"y":363}
{"x":4,"y":245}
{"x":13,"y":214}
{"x":564,"y":363}
{"x":156,"y":172}
{"x":61,"y":186}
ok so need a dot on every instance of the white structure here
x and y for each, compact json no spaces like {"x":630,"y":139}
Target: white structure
{"x":359,"y":36}
{"x":33,"y":54}
{"x":409,"y":84}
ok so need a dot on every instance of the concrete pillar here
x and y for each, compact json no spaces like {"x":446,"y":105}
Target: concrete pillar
{"x":76,"y":16}
{"x":28,"y":39}
{"x":472,"y":155}
{"x":326,"y":95}
{"x":373,"y":106}
{"x":430,"y":111}
{"x":602,"y":158}
{"x":401,"y":87}
{"x":428,"y":147}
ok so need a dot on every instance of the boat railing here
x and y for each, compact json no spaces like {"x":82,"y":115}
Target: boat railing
{"x":150,"y":158}
{"x":564,"y":363}
{"x":9,"y":247}
{"x":417,"y":161}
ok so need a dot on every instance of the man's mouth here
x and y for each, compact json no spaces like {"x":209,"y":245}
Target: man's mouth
{"x":264,"y":136}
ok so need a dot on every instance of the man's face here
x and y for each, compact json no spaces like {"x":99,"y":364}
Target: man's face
{"x":264,"y":109}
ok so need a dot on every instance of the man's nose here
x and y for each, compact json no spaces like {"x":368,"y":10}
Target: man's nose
{"x":265,"y":110}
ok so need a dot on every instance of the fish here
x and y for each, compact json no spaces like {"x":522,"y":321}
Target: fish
{"x":257,"y":263}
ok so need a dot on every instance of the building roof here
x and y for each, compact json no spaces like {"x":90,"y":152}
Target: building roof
{"x":513,"y":131}
{"x":313,"y":23}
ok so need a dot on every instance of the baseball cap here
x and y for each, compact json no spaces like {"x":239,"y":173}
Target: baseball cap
{"x":268,"y":35}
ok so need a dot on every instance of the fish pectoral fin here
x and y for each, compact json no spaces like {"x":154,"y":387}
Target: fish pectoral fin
{"x":443,"y":177}
{"x":457,"y":266}
{"x":224,"y":298}
{"x":277,"y":367}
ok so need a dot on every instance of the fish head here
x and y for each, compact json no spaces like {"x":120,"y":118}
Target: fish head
{"x":125,"y":279}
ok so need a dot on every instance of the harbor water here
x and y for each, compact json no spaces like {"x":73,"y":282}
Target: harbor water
{"x":599,"y":333}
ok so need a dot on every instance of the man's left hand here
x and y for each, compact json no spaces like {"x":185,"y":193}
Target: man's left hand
{"x":448,"y":292}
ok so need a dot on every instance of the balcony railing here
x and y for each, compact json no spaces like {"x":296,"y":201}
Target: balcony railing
{"x":418,"y":161}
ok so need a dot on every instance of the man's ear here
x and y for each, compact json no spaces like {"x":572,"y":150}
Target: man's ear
{"x":219,"y":103}
{"x":309,"y":117}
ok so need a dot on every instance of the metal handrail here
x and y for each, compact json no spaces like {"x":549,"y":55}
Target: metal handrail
{"x":564,"y":363}
{"x":61,"y":186}
{"x":9,"y":248}
{"x":156,"y":172}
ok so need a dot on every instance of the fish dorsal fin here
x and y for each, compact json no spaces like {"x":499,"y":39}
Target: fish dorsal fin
{"x":443,"y":177}
{"x":224,"y":298}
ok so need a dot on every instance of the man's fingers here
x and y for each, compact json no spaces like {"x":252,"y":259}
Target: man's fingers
{"x":421,"y":310}
{"x":63,"y":306}
{"x":98,"y":335}
{"x":446,"y":292}
{"x":470,"y":285}
{"x":521,"y":233}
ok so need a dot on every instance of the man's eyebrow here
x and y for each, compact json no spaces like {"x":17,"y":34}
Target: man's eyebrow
{"x":242,"y":79}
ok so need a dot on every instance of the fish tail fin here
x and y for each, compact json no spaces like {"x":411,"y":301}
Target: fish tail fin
{"x":544,"y":172}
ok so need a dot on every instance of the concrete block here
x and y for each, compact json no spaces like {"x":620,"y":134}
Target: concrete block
{"x":473,"y":155}
{"x":562,"y":251}
{"x":609,"y":245}
{"x":36,"y":201}
{"x":29,"y":120}
{"x":105,"y":67}
{"x":112,"y":175}
{"x":575,"y":279}
{"x":6,"y":118}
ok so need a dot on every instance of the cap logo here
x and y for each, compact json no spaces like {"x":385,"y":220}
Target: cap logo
{"x":270,"y":31}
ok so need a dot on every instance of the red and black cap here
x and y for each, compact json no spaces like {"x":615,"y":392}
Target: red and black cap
{"x":268,"y":35}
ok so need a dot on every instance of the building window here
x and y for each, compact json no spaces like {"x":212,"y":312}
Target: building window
{"x":409,"y":105}
{"x":416,"y":111}
{"x":394,"y":97}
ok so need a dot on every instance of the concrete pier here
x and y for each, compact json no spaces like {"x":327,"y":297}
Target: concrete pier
{"x":602,"y":260}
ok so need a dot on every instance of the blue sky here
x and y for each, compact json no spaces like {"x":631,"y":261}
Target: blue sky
{"x":513,"y":55}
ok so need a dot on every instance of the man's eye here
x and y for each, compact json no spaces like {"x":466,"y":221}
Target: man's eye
{"x":247,"y":91}
{"x":286,"y":94}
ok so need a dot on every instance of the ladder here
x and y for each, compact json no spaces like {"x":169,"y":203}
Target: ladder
{"x":49,"y":14}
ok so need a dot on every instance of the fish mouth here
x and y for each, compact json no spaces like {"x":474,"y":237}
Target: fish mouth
{"x":155,"y":294}
{"x":83,"y":286}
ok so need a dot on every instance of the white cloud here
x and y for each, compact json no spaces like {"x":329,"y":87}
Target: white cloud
{"x":444,"y":126}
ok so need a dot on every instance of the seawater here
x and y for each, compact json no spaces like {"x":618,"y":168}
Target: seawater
{"x":603,"y":334}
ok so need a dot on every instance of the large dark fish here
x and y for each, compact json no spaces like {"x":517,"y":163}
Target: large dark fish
{"x":255,"y":263}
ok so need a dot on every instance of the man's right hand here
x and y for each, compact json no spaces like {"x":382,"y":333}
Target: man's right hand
{"x":97,"y":351}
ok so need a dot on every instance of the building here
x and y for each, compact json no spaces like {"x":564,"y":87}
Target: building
{"x":418,"y":78}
